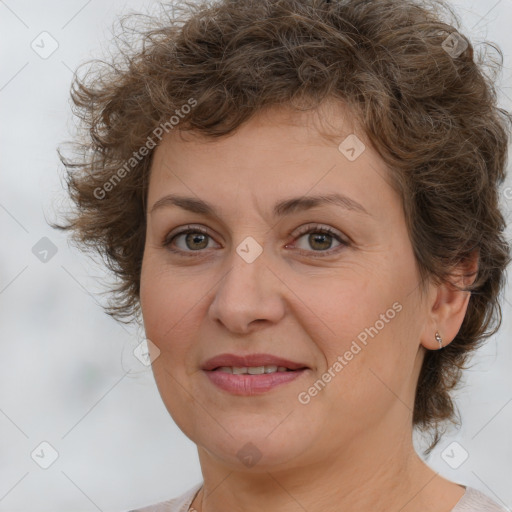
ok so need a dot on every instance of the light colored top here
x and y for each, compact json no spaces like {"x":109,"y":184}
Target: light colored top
{"x":471,"y":501}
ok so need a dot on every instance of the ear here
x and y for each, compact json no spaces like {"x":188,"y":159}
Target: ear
{"x":447,"y":304}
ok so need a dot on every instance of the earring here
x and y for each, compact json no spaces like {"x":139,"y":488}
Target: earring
{"x":439,"y":340}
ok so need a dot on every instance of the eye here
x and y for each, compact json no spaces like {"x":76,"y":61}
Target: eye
{"x":320,"y":239}
{"x":194,"y":240}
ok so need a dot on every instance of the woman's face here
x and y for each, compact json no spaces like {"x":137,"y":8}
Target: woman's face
{"x":266,"y":278}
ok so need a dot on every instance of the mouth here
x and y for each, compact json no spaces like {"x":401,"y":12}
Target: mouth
{"x":252,"y":374}
{"x":254,"y":370}
{"x":252,"y":364}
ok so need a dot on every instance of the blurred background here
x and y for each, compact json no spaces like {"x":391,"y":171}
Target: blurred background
{"x":82,"y":424}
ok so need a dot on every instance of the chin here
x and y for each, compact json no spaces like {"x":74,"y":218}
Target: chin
{"x":258,"y":449}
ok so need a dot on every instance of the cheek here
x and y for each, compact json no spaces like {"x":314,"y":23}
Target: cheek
{"x":366,"y":336}
{"x":349,"y":306}
{"x":168,"y":314}
{"x":172,"y":303}
{"x":152,"y":298}
{"x":159,"y":300}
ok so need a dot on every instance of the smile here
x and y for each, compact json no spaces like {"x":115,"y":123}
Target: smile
{"x":252,"y":370}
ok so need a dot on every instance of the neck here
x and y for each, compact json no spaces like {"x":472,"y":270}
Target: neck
{"x":364,"y":476}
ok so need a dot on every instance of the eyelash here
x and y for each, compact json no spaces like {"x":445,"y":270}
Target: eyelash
{"x":303,"y":231}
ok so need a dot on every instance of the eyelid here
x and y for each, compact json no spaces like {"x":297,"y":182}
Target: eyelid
{"x":307,"y":228}
{"x":183,"y":230}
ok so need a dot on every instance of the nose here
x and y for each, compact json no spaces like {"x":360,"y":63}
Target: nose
{"x":249,"y":295}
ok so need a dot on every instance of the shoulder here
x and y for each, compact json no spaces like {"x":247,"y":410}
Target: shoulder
{"x":476,"y":501}
{"x":179,"y":504}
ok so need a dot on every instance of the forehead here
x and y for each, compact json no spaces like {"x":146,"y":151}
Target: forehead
{"x":326,"y":124}
{"x":278,"y":153}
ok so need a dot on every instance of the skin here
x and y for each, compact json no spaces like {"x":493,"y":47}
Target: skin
{"x":350,"y":447}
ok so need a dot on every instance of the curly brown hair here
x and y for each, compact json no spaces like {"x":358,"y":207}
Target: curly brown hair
{"x":413,"y":81}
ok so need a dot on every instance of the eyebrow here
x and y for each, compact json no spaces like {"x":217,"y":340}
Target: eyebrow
{"x":281,"y":209}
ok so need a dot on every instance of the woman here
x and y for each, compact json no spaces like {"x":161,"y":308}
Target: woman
{"x":300,"y":199}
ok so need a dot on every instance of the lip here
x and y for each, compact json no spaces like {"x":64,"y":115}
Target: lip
{"x":250,"y":360}
{"x":248,"y":384}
